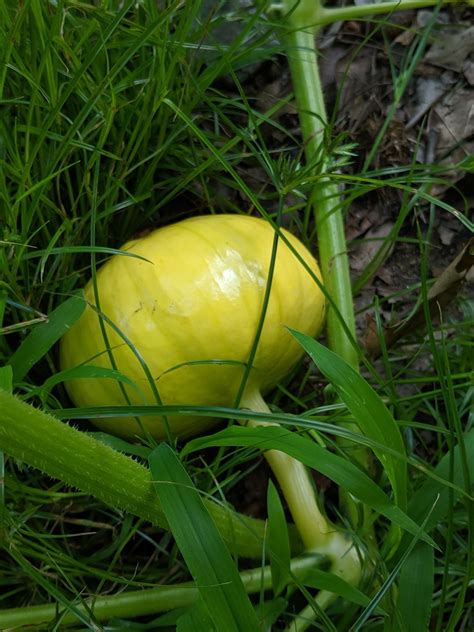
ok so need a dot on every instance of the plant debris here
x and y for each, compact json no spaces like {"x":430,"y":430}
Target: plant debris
{"x":441,"y":294}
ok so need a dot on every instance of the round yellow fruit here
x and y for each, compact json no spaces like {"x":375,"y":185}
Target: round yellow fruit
{"x":191,"y":310}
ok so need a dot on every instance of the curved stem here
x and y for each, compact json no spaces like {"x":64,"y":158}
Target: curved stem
{"x":50,"y":445}
{"x":295,"y":483}
{"x":138,"y":603}
{"x":317,"y":533}
{"x":361,"y":11}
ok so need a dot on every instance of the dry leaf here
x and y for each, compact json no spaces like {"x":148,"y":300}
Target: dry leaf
{"x":368,"y":250}
{"x":451,"y":47}
{"x":442,"y":292}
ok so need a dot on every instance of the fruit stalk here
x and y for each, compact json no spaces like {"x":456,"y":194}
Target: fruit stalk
{"x":317,"y":533}
{"x":325,"y":199}
{"x":295,"y":484}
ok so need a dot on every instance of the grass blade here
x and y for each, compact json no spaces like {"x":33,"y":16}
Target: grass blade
{"x":416,"y":589}
{"x":372,"y":416}
{"x":373,"y":605}
{"x":43,"y":337}
{"x":195,"y":619}
{"x":6,"y":378}
{"x":344,"y":473}
{"x":87,"y":371}
{"x":323,"y":580}
{"x":201,"y":545}
{"x":433,"y":496}
{"x":278,"y":541}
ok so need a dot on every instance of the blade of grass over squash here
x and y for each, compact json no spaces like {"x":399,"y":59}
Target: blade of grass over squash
{"x":221,"y":412}
{"x":100,"y":250}
{"x":86,"y":371}
{"x":372,"y":416}
{"x":416,"y":589}
{"x":201,"y":545}
{"x":343,"y":472}
{"x":277,"y":540}
{"x":43,"y":337}
{"x":254,"y":199}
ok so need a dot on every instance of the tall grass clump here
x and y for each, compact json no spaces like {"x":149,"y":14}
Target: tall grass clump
{"x":121,"y":117}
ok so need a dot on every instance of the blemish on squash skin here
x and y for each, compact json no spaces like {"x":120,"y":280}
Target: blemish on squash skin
{"x":230,"y":270}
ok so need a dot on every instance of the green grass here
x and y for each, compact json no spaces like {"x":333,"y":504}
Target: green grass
{"x":121,"y":117}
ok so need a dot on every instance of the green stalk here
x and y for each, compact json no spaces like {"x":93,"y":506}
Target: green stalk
{"x":358,"y":12}
{"x":65,"y":453}
{"x":326,"y":203}
{"x":139,"y":603}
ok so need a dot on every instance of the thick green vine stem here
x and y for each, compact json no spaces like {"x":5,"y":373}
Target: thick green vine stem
{"x":50,"y":445}
{"x":302,"y":19}
{"x":333,"y":258}
{"x":139,"y":603}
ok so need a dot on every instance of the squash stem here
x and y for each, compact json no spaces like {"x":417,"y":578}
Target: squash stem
{"x":293,"y":478}
{"x":317,"y":533}
{"x":326,"y":204}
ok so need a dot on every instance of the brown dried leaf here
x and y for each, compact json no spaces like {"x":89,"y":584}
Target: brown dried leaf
{"x":455,"y":118}
{"x":451,"y":48}
{"x":442,"y":292}
{"x":368,"y":250}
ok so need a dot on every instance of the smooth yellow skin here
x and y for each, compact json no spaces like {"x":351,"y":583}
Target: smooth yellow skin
{"x":199,"y":298}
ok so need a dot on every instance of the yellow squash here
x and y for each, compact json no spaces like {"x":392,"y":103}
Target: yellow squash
{"x":191,"y":311}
